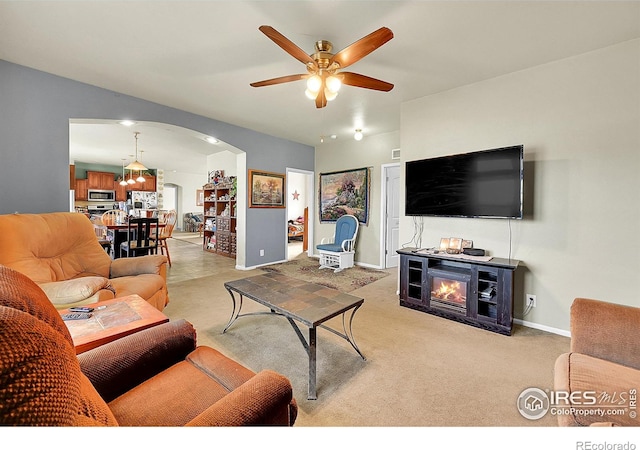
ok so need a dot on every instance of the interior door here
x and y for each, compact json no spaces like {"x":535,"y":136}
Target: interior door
{"x":392,"y":215}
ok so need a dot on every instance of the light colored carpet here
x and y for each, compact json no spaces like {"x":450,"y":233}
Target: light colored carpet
{"x":421,"y":370}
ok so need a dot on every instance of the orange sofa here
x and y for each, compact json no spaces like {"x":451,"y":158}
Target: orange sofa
{"x":61,"y":253}
{"x":156,"y":377}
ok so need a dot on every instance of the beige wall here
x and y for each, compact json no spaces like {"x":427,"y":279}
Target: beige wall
{"x":579,"y":121}
{"x":372,"y":151}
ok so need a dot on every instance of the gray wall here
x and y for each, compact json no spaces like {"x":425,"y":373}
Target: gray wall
{"x":34,"y":145}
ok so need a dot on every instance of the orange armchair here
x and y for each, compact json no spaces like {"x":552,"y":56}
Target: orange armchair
{"x":60,"y":252}
{"x":157,"y":377}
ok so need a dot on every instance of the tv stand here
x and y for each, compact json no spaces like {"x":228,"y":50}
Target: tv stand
{"x":472,"y":291}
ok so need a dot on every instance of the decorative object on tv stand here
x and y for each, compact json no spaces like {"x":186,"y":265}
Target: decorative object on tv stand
{"x":455,"y":246}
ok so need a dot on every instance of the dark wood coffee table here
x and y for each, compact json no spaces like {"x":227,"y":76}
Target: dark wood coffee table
{"x":308,"y":303}
{"x":121,"y":317}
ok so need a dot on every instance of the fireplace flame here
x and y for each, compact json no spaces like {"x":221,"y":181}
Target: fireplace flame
{"x":450,"y":291}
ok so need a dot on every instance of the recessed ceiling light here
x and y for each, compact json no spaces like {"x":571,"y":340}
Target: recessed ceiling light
{"x":211,"y":140}
{"x":127,"y":123}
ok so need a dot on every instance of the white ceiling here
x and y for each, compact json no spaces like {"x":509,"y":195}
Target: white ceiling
{"x":200,"y":56}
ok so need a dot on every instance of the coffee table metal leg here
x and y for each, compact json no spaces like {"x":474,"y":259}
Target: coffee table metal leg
{"x":312,"y":364}
{"x":349,"y":332}
{"x":237,"y":306}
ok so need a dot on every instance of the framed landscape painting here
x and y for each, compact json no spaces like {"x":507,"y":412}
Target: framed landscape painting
{"x":266,"y":189}
{"x":345,"y":192}
{"x":199,"y":197}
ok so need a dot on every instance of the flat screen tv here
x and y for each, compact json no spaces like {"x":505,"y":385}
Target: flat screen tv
{"x":485,"y":184}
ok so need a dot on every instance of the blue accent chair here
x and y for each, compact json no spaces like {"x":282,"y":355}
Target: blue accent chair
{"x":337,"y":252}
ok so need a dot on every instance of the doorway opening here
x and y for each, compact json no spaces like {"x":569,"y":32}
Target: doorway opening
{"x":170,"y":197}
{"x":299,"y":207}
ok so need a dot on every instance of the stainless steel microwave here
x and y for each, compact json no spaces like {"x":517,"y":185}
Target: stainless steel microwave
{"x":100,"y":195}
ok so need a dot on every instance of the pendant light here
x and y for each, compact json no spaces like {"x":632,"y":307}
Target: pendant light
{"x":131,"y":180}
{"x":123,"y":182}
{"x":140,"y":178}
{"x":135,"y":165}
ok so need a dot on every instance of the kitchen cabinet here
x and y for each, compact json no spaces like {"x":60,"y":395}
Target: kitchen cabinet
{"x":121,"y":191}
{"x":72,"y":176}
{"x":100,"y":180}
{"x":81,"y":187}
{"x":148,"y":185}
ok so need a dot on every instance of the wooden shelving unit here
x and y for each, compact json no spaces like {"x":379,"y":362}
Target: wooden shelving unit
{"x":219,"y":234}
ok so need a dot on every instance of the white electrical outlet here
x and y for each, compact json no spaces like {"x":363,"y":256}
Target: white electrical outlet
{"x":261,"y":252}
{"x":531,"y":300}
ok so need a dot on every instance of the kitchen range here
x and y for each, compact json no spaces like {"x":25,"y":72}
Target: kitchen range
{"x":97,"y":208}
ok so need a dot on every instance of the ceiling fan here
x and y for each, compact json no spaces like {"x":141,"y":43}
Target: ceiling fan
{"x":323,"y":76}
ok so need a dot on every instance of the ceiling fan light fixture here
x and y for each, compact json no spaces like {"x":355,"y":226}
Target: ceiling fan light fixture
{"x":323,"y":64}
{"x":333,"y":84}
{"x":314,"y":83}
{"x":329,"y":94}
{"x":140,"y":179}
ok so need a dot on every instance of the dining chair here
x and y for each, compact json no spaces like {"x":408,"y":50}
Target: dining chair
{"x":142,"y":237}
{"x":169,"y":221}
{"x":114,"y":217}
{"x":103,"y":236}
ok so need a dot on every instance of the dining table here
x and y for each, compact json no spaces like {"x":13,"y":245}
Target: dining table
{"x":117,"y":234}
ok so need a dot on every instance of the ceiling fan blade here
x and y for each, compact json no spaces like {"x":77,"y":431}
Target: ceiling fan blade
{"x":285,"y":79}
{"x":287,"y":45}
{"x":361,"y":48}
{"x":363,"y":81}
{"x":321,"y":99}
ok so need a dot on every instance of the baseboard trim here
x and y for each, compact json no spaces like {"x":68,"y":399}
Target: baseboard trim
{"x":361,"y":264}
{"x":238,"y":267}
{"x":537,"y":326}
